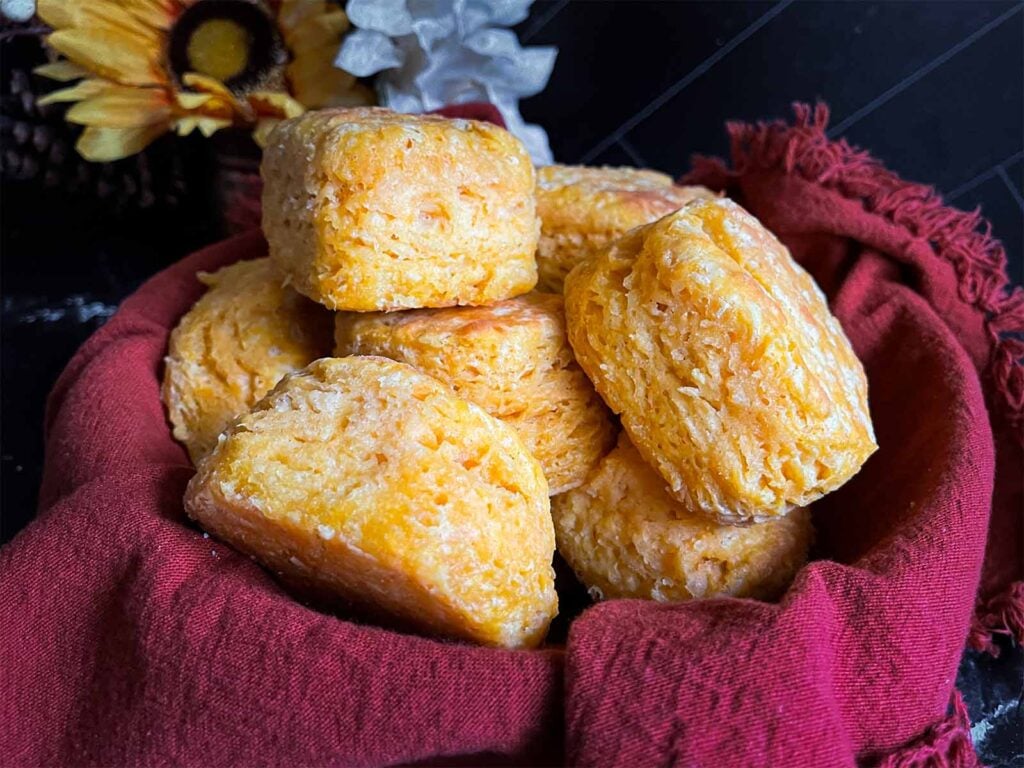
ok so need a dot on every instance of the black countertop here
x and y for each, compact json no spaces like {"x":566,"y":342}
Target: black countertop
{"x":934,"y":89}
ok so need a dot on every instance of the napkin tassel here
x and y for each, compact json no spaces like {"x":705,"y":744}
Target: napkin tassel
{"x":946,"y":744}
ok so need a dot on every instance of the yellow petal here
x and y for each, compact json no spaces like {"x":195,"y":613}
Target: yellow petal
{"x":185,"y":125}
{"x":190,"y":101}
{"x":293,"y":12}
{"x":261,"y":133}
{"x":209,"y":126}
{"x":217,"y":108}
{"x":112,"y":55}
{"x":206,"y":125}
{"x":98,"y":15}
{"x":319,"y":30}
{"x":62,"y":71}
{"x":219,"y":101}
{"x":57,"y":13}
{"x":275,"y":104}
{"x":208,"y":85}
{"x":122,"y":108}
{"x":306,"y":70}
{"x":159,"y":14}
{"x":225,"y":102}
{"x":102,"y":145}
{"x":321,"y":84}
{"x":357,"y":96}
{"x":317,"y":83}
{"x":83,"y":90}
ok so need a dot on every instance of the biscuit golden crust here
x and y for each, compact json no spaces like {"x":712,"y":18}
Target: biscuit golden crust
{"x":583,"y":209}
{"x":366,"y":209}
{"x":624,"y":536}
{"x":365,"y":479}
{"x":513,"y":360}
{"x":233,"y":346}
{"x":732,"y":377}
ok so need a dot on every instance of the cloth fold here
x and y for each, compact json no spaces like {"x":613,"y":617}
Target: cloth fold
{"x":128,"y":637}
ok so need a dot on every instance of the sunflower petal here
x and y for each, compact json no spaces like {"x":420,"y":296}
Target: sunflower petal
{"x":326,"y":30}
{"x":209,"y":85}
{"x":209,"y":125}
{"x":317,"y":31}
{"x":275,"y":104}
{"x":190,"y":101}
{"x":83,"y":90}
{"x":159,"y":14}
{"x":56,"y":13}
{"x":306,"y":70}
{"x":294,"y":12}
{"x":97,"y":15}
{"x":122,"y":108}
{"x":183,"y":126}
{"x":358,"y":95}
{"x":261,"y":133}
{"x":206,"y":125}
{"x":318,"y":84}
{"x":224,"y":103}
{"x":62,"y":71}
{"x":112,"y":55}
{"x":102,"y":145}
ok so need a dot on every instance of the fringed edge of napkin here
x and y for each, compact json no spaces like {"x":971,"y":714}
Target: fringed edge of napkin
{"x":1002,"y":614}
{"x":962,"y":238}
{"x":947,"y":744}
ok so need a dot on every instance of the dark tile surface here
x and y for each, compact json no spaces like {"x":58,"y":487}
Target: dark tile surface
{"x":614,"y":58}
{"x":1015,"y":174}
{"x":993,"y":690}
{"x":935,"y":89}
{"x":844,"y":67}
{"x":64,"y":267}
{"x":977,"y":117}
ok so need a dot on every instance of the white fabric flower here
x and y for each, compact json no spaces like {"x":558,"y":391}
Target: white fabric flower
{"x":18,"y":10}
{"x":435,"y":52}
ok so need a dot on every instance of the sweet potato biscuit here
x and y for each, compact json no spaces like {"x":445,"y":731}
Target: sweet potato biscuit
{"x":363,"y":478}
{"x":624,"y":536}
{"x":233,"y":346}
{"x":513,"y":360}
{"x":583,"y":209}
{"x":732,"y":377}
{"x":366,"y":209}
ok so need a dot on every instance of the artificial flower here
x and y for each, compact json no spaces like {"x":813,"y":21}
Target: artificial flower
{"x":147,"y":67}
{"x":429,"y":53}
{"x":313,"y":31}
{"x":17,"y":10}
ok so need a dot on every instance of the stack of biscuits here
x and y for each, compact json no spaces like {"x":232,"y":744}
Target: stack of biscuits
{"x":452,"y":362}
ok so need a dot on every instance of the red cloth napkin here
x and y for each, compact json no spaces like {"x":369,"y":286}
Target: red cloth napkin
{"x":129,"y":638}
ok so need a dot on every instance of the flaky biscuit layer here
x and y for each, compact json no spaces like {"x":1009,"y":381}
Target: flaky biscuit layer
{"x":732,"y":377}
{"x":513,"y":360}
{"x":364,"y":479}
{"x":583,"y":209}
{"x":367,"y":209}
{"x":625,"y":536}
{"x":233,"y":346}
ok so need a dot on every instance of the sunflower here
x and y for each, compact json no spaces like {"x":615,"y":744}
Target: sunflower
{"x":146,"y":67}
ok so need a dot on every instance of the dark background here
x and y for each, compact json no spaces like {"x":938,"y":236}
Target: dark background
{"x":933,"y":89}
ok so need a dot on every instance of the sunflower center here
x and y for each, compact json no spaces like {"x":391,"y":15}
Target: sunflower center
{"x":234,"y":41}
{"x":219,"y":48}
